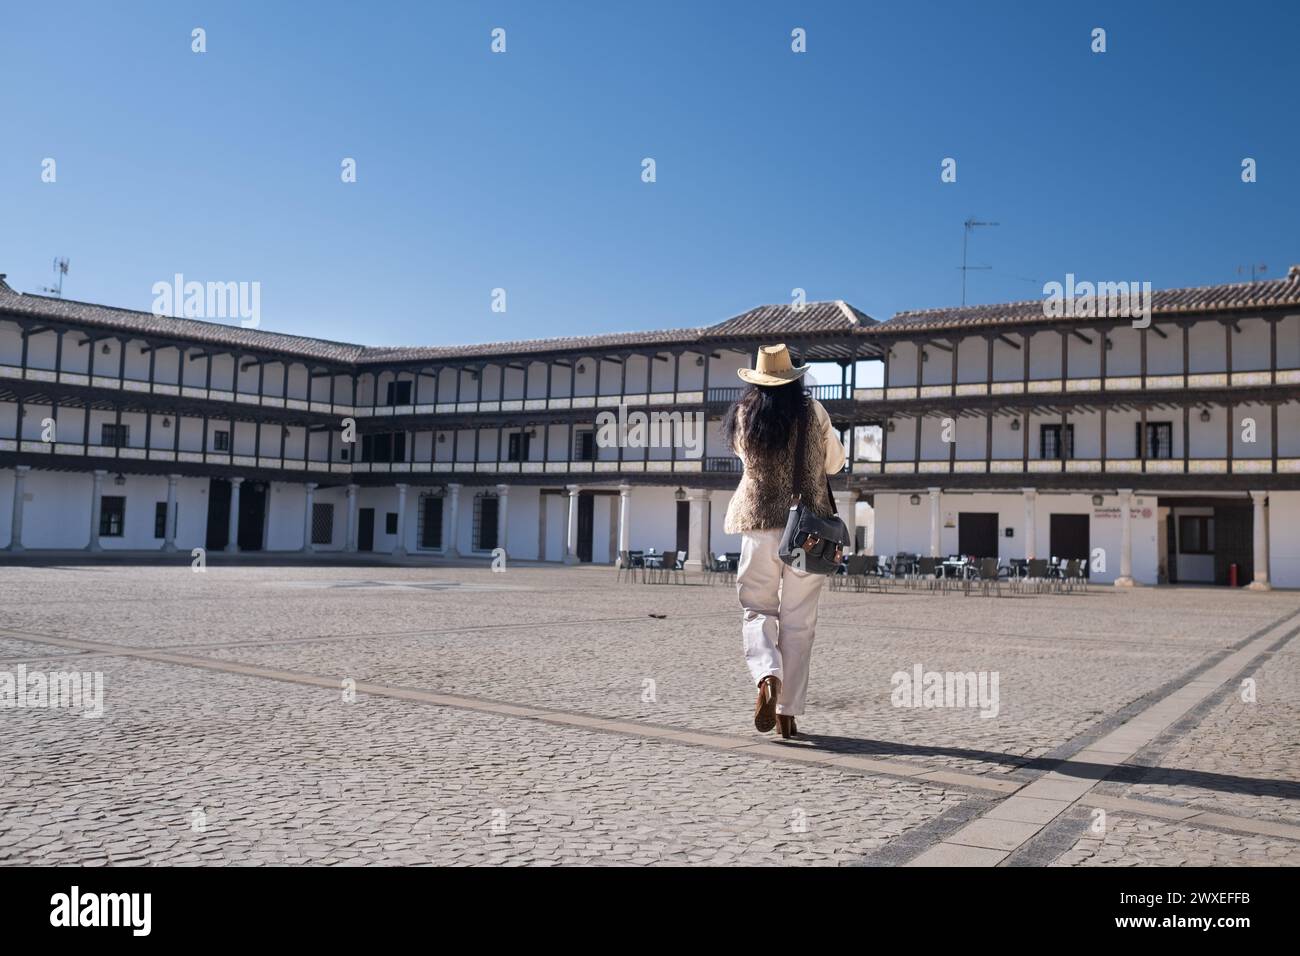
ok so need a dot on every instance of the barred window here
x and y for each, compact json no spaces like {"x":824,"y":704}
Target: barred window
{"x":1160,"y":439}
{"x":112,"y":516}
{"x":322,"y":522}
{"x":1049,"y":439}
{"x":115,"y":436}
{"x":486,"y":507}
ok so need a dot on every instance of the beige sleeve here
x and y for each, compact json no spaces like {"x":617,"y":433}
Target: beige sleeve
{"x":834,"y":447}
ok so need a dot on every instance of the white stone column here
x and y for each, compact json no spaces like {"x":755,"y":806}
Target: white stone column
{"x":503,"y":517}
{"x":1031,"y":525}
{"x":624,"y":518}
{"x":232,"y":533}
{"x":846,"y":503}
{"x":1125,"y":579}
{"x":399,"y":550}
{"x":451,"y":550}
{"x":698,"y":537}
{"x":169,"y":528}
{"x":308,"y":505}
{"x":96,"y":494}
{"x":20,"y":489}
{"x":1260,"y":535}
{"x":571,"y":537}
{"x":350,"y":543}
{"x":934,"y":522}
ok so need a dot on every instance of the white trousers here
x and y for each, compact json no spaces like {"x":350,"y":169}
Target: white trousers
{"x":780,"y":617}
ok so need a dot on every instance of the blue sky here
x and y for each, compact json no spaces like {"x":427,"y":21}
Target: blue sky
{"x":775,"y":170}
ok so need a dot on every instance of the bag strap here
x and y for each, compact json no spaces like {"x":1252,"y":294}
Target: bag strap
{"x":800,"y":449}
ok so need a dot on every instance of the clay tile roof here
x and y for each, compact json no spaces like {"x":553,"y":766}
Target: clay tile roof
{"x":195,"y":330}
{"x":786,"y":319}
{"x":835,"y":316}
{"x":1239,"y":296}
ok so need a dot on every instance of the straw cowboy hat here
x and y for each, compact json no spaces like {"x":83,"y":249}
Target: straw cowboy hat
{"x":774,"y":367}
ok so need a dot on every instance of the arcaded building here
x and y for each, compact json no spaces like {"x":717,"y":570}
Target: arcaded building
{"x":1166,"y":452}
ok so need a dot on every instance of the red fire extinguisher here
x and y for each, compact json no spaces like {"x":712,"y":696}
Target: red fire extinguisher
{"x":1232,"y":575}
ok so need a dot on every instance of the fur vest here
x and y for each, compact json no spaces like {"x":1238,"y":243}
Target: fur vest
{"x":763,"y":498}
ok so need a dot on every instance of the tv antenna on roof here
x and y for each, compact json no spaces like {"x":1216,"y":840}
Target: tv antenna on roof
{"x":60,"y":270}
{"x":965,"y":239}
{"x":1255,"y":271}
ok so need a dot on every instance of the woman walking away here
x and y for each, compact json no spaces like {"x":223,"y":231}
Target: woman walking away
{"x":779,"y":602}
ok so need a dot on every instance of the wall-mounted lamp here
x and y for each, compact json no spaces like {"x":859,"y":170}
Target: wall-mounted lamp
{"x":582,"y":369}
{"x":1097,"y":501}
{"x":925,"y":356}
{"x":680,"y":493}
{"x":166,"y":422}
{"x":106,"y":350}
{"x":1015,"y":424}
{"x":914,"y":499}
{"x":1205,"y":414}
{"x":120,"y":479}
{"x":1109,"y":344}
{"x":699,"y":360}
{"x":889,"y":425}
{"x":442,"y":438}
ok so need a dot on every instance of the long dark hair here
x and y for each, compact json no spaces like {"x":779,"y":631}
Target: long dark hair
{"x":764,"y":417}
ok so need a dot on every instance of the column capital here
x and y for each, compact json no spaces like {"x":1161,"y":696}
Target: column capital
{"x":453,"y":487}
{"x":310,"y":485}
{"x":503,"y":490}
{"x":1259,"y":496}
{"x":1029,"y":492}
{"x":353,"y":489}
{"x":99,"y":474}
{"x":401,"y":486}
{"x":573,"y":490}
{"x":172,"y":479}
{"x":624,"y":490}
{"x":698,"y":494}
{"x":934,"y":492}
{"x":236,"y":481}
{"x":1124,"y":492}
{"x":22,"y":468}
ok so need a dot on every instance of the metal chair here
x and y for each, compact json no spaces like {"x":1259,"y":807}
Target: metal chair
{"x":986,"y":577}
{"x":854,"y":571}
{"x":1036,"y":572}
{"x":674,"y":566}
{"x":927,"y":569}
{"x":629,"y":564}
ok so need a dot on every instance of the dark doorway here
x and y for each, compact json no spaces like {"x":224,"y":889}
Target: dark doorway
{"x":1068,"y":538}
{"x":489,"y":508}
{"x":683,"y":526}
{"x":252,"y":515}
{"x":586,"y":525}
{"x":977,"y":534}
{"x":1234,"y":543}
{"x":1171,"y":549}
{"x":218,"y":514}
{"x":366,"y":529}
{"x":431,"y":521}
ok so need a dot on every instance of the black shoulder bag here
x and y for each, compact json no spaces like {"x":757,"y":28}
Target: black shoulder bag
{"x":810,"y":543}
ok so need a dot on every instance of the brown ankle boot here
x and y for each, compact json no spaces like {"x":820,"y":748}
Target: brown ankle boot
{"x":769,"y":688}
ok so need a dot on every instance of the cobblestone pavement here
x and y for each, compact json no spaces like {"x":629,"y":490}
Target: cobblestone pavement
{"x":213,"y":760}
